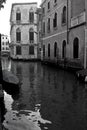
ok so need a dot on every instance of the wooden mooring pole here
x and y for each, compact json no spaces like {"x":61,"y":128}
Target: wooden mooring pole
{"x":1,"y":78}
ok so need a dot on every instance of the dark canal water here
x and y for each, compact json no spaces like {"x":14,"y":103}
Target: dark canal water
{"x":48,"y":99}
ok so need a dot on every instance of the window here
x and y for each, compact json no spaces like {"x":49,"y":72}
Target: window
{"x":48,"y":5}
{"x":64,"y":49}
{"x":18,"y":35}
{"x":43,"y":50}
{"x":64,"y":15}
{"x":43,"y":27}
{"x":55,"y":1}
{"x":18,"y":15}
{"x":6,"y":43}
{"x":31,"y":16}
{"x":55,"y":20}
{"x":43,"y":10}
{"x":18,"y":50}
{"x":7,"y":48}
{"x":31,"y":50}
{"x":48,"y":50}
{"x":76,"y":48}
{"x":55,"y":49}
{"x":48,"y":25}
{"x":31,"y":35}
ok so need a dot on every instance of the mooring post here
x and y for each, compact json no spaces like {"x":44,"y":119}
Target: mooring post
{"x":1,"y":79}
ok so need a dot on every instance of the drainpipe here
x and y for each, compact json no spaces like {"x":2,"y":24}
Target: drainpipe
{"x":67,"y":25}
{"x":85,"y":47}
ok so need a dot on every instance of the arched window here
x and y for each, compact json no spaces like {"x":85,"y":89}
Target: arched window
{"x":55,"y":20}
{"x":31,"y":35}
{"x":43,"y":29}
{"x":64,"y":15}
{"x":43,"y":50}
{"x":76,"y":48}
{"x":64,"y":49}
{"x":31,"y":50}
{"x":48,"y":50}
{"x":18,"y":50}
{"x":18,"y":15}
{"x":48,"y":25}
{"x":55,"y":49}
{"x":18,"y":35}
{"x":31,"y":16}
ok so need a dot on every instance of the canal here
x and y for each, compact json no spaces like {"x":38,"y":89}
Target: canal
{"x":48,"y":99}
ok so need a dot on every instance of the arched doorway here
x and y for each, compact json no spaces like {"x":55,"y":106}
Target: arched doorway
{"x":76,"y":48}
{"x":64,"y":49}
{"x":55,"y":49}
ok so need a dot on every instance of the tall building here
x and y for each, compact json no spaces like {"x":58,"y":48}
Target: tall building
{"x":64,"y":32}
{"x":23,"y":31}
{"x":5,"y":50}
{"x":39,"y":28}
{"x":54,"y":29}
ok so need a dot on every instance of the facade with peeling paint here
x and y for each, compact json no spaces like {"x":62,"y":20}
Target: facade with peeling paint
{"x":23,"y":32}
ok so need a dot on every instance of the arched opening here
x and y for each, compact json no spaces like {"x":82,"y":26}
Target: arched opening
{"x":55,"y":20}
{"x":31,"y":35}
{"x":18,"y":15}
{"x":48,"y":50}
{"x":76,"y":48}
{"x":18,"y":35}
{"x":18,"y":50}
{"x":64,"y":15}
{"x":31,"y":16}
{"x":43,"y":51}
{"x":64,"y":49}
{"x":55,"y":49}
{"x":31,"y":50}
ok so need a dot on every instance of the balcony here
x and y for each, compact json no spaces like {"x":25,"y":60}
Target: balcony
{"x":80,"y":19}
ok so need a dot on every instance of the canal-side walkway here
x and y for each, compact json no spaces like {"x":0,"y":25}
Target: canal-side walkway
{"x":67,"y":64}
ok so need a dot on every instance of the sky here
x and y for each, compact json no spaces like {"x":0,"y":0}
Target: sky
{"x":5,"y":15}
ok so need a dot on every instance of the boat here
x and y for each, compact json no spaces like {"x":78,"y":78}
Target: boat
{"x":10,"y":81}
{"x":9,"y":77}
{"x":82,"y":75}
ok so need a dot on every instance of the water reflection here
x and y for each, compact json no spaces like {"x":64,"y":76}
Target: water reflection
{"x":48,"y":98}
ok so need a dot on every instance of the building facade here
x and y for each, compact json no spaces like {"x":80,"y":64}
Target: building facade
{"x":64,"y":32}
{"x":5,"y":50}
{"x":39,"y":28}
{"x":23,"y":31}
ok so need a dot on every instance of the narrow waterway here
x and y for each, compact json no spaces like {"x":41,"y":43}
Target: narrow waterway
{"x":48,"y":98}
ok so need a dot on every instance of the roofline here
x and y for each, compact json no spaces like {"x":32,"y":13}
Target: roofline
{"x":42,"y":3}
{"x":13,"y":4}
{"x":23,"y":3}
